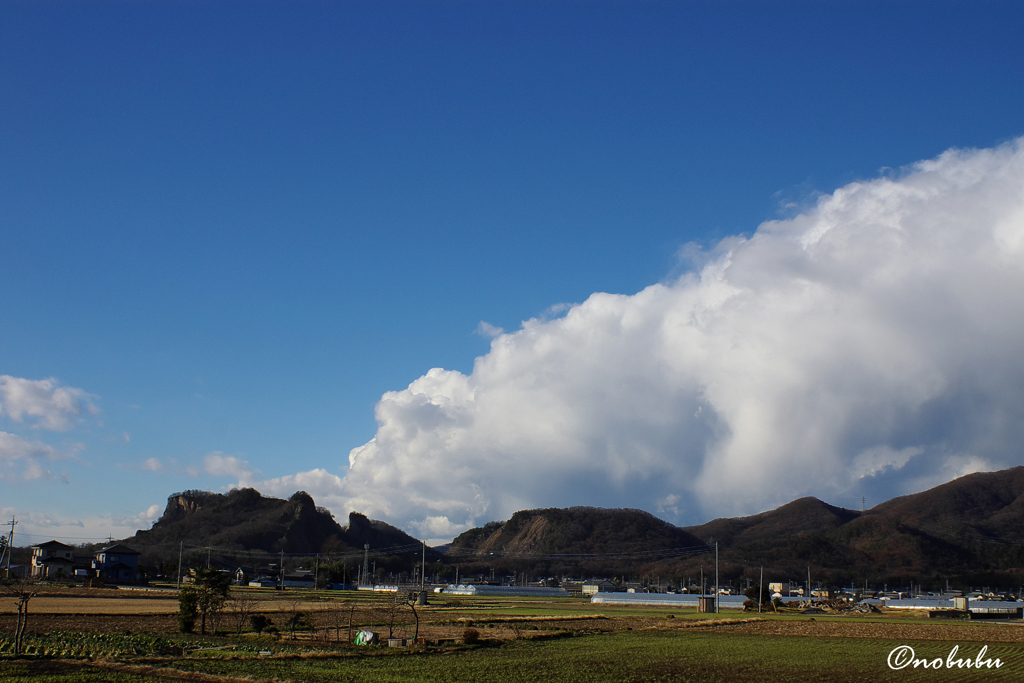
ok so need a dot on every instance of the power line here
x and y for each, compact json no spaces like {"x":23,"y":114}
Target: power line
{"x":73,"y":538}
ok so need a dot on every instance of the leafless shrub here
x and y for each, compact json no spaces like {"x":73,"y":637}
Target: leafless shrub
{"x":240,"y":609}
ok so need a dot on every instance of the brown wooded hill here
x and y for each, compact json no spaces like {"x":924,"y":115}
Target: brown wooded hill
{"x":245,"y":520}
{"x":970,"y":527}
{"x":556,"y":540}
{"x":973,"y":525}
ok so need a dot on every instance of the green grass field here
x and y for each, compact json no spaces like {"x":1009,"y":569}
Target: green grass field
{"x":630,"y":657}
{"x":531,"y":641}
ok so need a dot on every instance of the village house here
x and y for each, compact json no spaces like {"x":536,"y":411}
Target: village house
{"x":52,"y":560}
{"x":117,"y":564}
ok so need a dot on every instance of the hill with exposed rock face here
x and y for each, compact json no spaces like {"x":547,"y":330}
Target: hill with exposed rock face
{"x":972,"y":526}
{"x":245,"y":520}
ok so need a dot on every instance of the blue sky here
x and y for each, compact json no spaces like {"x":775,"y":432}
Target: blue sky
{"x":235,"y":226}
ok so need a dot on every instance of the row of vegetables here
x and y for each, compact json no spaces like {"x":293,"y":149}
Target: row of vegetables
{"x":75,"y":645}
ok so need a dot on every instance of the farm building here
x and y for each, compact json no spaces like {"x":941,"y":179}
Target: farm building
{"x":507,"y":591}
{"x":301,"y":578}
{"x":995,"y":608}
{"x":595,"y":587}
{"x":665,"y":599}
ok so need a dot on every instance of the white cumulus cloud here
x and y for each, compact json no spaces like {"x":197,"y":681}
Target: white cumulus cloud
{"x":485,"y":329}
{"x":50,"y":405}
{"x":220,"y":465}
{"x":325,"y":488}
{"x":868,"y":346}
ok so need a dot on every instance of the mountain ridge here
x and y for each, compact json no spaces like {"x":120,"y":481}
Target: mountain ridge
{"x":244,"y":521}
{"x":969,"y":526}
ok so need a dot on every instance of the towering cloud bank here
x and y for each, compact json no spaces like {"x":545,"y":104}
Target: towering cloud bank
{"x":870,"y":346}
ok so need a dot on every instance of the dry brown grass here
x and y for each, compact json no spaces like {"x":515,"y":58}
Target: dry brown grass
{"x":91,"y":605}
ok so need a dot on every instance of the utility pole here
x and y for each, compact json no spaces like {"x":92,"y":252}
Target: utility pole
{"x":280,"y":568}
{"x":760,"y":587}
{"x":181,"y":547}
{"x":316,"y":571}
{"x":10,"y":546}
{"x":808,"y":585}
{"x":423,"y":569}
{"x":366,"y":562}
{"x":718,"y":589}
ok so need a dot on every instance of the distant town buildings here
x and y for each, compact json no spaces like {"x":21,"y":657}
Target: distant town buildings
{"x":116,"y":564}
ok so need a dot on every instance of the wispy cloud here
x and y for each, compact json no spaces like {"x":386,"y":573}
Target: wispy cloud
{"x":22,"y":459}
{"x":153,"y":465}
{"x":37,"y":527}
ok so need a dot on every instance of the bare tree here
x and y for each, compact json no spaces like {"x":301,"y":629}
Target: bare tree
{"x":314,"y":620}
{"x":333,"y":620}
{"x":392,"y":607}
{"x":24,"y":590}
{"x":296,"y":617}
{"x":330,"y":619}
{"x":241,"y":608}
{"x":386,"y":609}
{"x":411,"y":600}
{"x":351,"y":614}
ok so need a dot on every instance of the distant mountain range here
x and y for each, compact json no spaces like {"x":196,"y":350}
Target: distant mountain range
{"x":971,"y":528}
